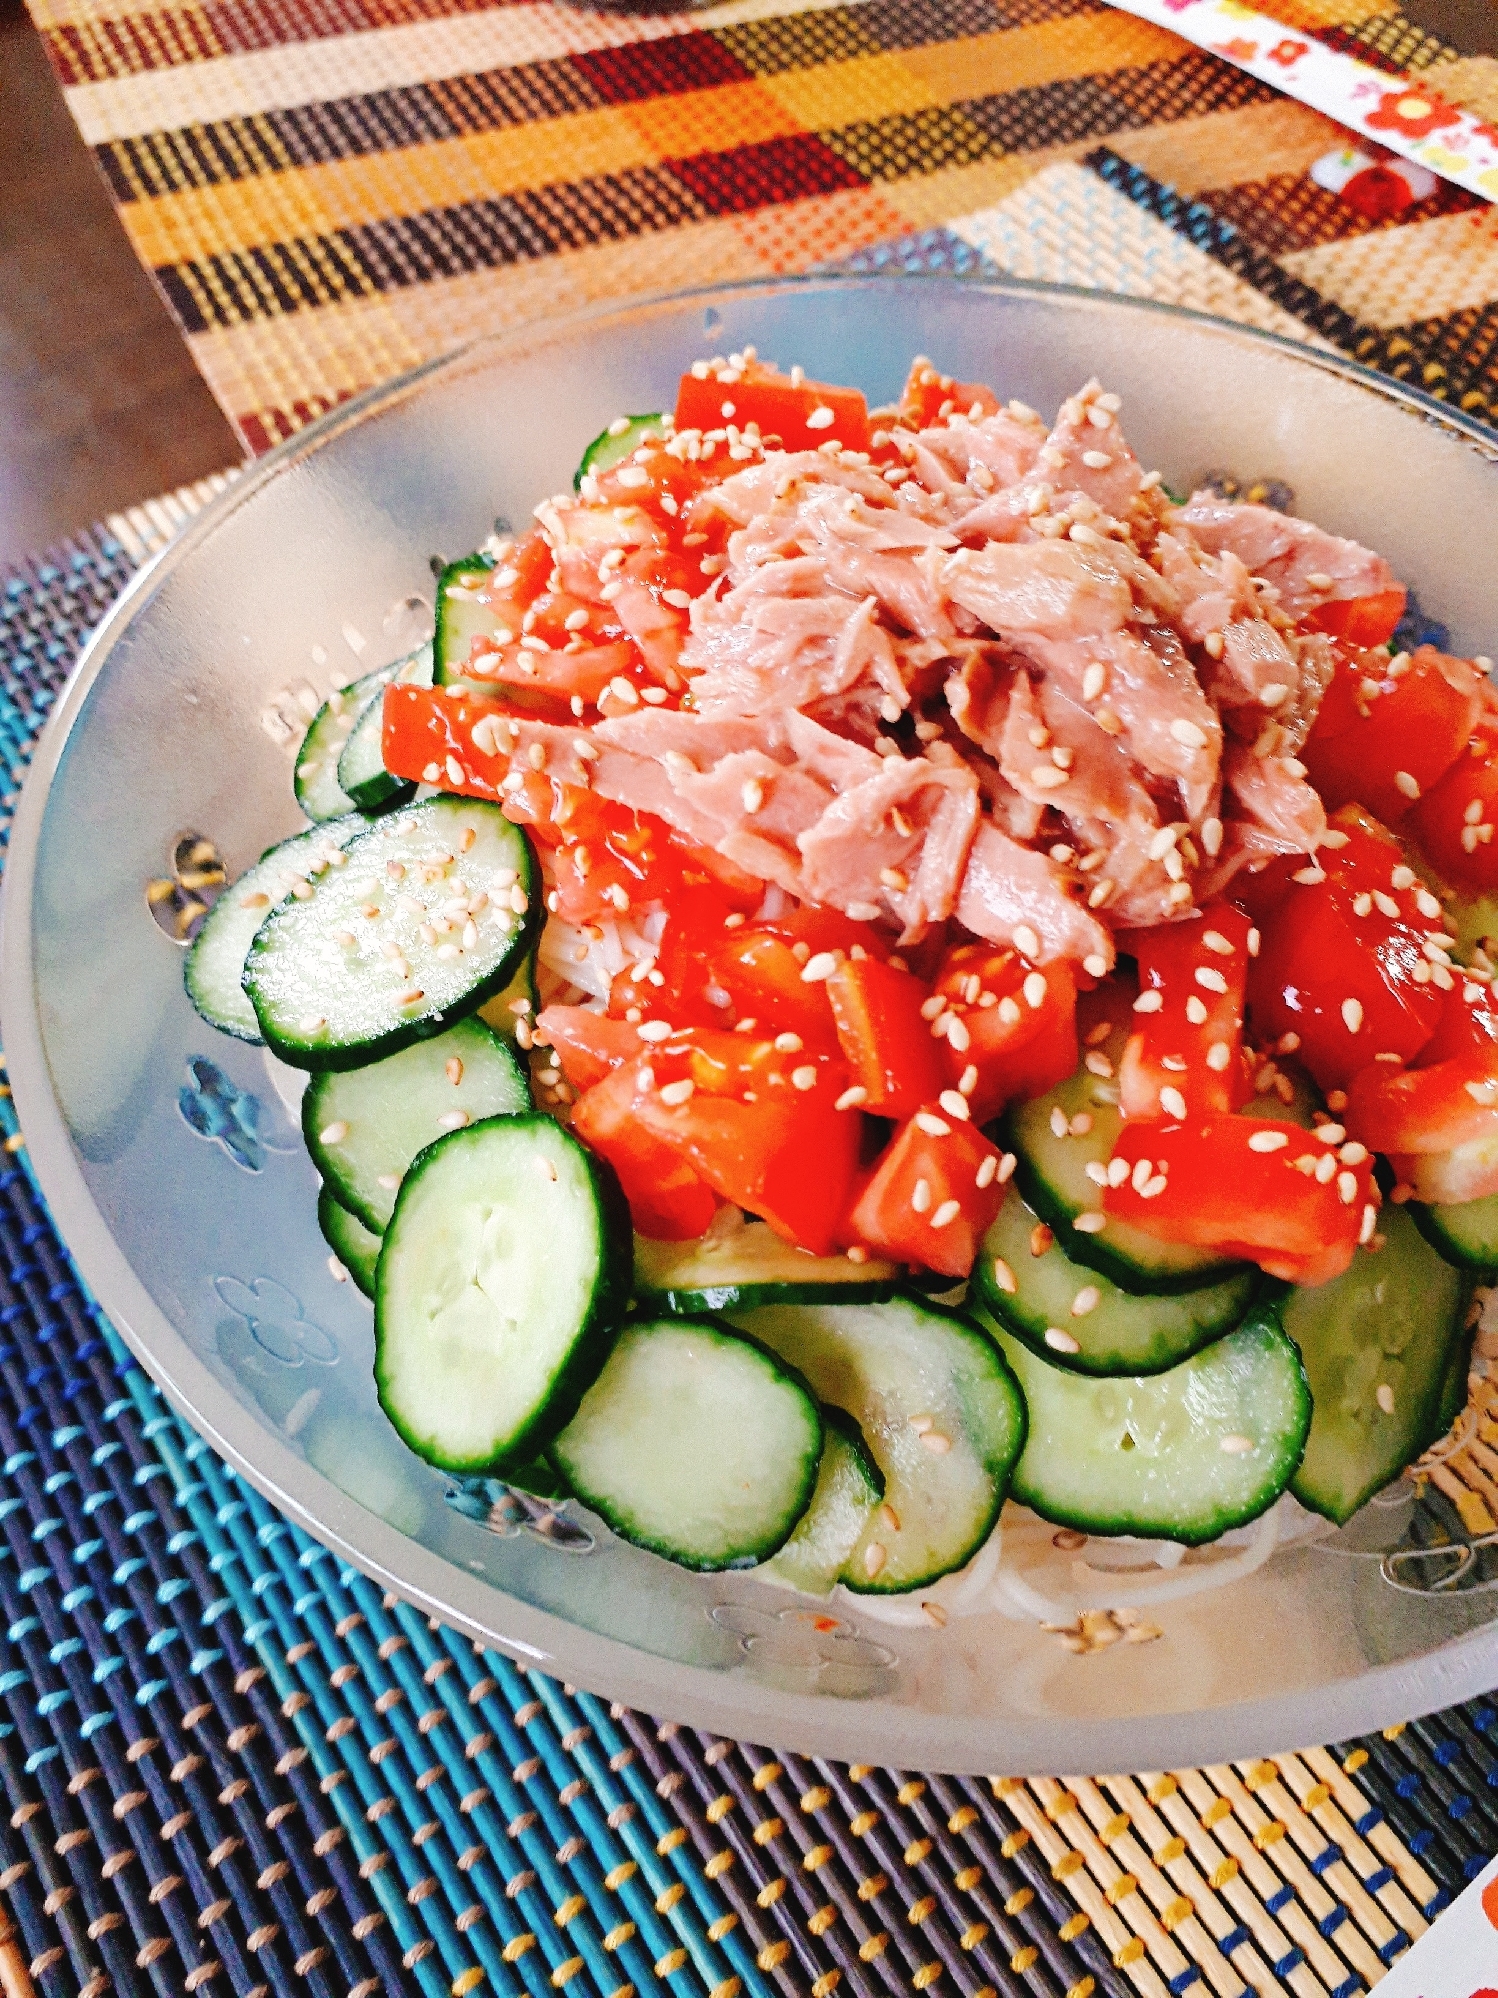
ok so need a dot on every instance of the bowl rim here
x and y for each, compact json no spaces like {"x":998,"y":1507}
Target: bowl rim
{"x":723,"y":1702}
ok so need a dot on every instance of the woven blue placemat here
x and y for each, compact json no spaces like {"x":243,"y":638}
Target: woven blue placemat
{"x":227,"y":1760}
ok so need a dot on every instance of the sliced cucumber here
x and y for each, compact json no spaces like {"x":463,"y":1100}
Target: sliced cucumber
{"x":849,"y":1486}
{"x":520,"y":1000}
{"x":1053,"y":1175}
{"x":381,"y":952}
{"x":505,"y":1268}
{"x":612,"y":446}
{"x":1182,"y":1455}
{"x":1465,"y":1234}
{"x":1452,"y":1398}
{"x":215,"y":963}
{"x":941,"y":1415}
{"x":361,"y":767}
{"x":320,"y":788}
{"x":751,"y":1266}
{"x":363,"y":1126}
{"x":1377,"y":1347}
{"x":695,"y":1443}
{"x":462,"y":616}
{"x":1036,"y":1290}
{"x":355,"y":1246}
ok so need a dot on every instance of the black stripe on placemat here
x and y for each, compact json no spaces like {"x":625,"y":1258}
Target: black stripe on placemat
{"x":1454,"y":358}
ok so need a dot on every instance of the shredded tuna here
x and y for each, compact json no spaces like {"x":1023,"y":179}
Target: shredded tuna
{"x":1306,"y":565}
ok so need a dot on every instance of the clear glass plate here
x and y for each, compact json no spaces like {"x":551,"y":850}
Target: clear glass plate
{"x":174,"y":1168}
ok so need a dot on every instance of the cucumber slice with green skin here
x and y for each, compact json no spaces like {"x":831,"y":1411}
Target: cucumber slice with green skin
{"x":363,"y":1126}
{"x":907,"y":1371}
{"x":361,"y":768}
{"x":335,"y":987}
{"x":1390,"y":1322}
{"x":461,"y":617}
{"x":612,"y":446}
{"x":520,"y":1000}
{"x":752,"y":1266}
{"x":1052,"y":1174}
{"x":320,"y":788}
{"x":505,"y":1269}
{"x":1465,"y":1235}
{"x":214,"y":968}
{"x":355,"y":1246}
{"x":694,"y":1443}
{"x":1452,"y":1398}
{"x":849,"y":1487}
{"x":1033,"y":1296}
{"x":1183,"y":1455}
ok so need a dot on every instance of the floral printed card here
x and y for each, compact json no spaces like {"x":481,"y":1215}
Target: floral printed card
{"x":1401,"y":116}
{"x":1457,"y":1957}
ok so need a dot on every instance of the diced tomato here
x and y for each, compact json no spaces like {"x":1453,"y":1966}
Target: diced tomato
{"x":933,"y":1195}
{"x":1187,"y":1044}
{"x":778,"y":405}
{"x":518,"y":578}
{"x":588,"y":1045}
{"x":671,"y":482}
{"x":885,"y":1041}
{"x":1411,"y":726}
{"x":1453,"y":823}
{"x":1438,"y":1121}
{"x":928,"y":396}
{"x":584,"y":673}
{"x":1343,"y":963}
{"x":1017,"y":1024}
{"x":667,"y":1199}
{"x":1247,"y":1187}
{"x":1366,"y":620}
{"x":759,"y":1125}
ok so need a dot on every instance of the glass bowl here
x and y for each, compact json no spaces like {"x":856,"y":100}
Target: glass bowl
{"x":173,"y":1166}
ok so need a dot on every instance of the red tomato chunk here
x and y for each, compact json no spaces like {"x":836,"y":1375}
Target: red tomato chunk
{"x":1399,"y":735}
{"x":1292,"y":1202}
{"x":933,"y":1195}
{"x":1186,"y":1051}
{"x":1008,"y":1020}
{"x":801,"y":414}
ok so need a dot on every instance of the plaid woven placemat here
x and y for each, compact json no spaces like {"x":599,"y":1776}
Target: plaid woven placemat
{"x":330,"y":191}
{"x":229,"y":1763}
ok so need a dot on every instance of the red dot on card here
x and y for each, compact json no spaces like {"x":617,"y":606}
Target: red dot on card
{"x":1490,"y":1909}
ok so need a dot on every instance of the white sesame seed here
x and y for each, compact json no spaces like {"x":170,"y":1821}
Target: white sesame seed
{"x":1325,"y":1169}
{"x":1061,"y":1342}
{"x":1046,"y":777}
{"x":1172,"y":1102}
{"x":1400,"y":879}
{"x":676,"y":1093}
{"x":655,"y":1030}
{"x":1094,"y":681}
{"x":1009,"y":1011}
{"x":1212,"y":837}
{"x":874,"y":1558}
{"x":852,"y":1098}
{"x":934,"y":1441}
{"x":1216,"y":941}
{"x":1406,"y":784}
{"x":986,"y":1169}
{"x":1370,"y":1219}
{"x":411,"y":997}
{"x":1006,"y":1167}
{"x":1427,"y":904}
{"x":1318,"y":580}
{"x":819,"y":967}
{"x":1209,"y":978}
{"x":1268,"y":1141}
{"x":1088,"y":1298}
{"x":920,"y":1198}
{"x":333,"y":1134}
{"x":1188,"y":734}
{"x":1383,"y":1394}
{"x":452,"y":1120}
{"x":1034,"y":989}
{"x":752,"y":794}
{"x":947,"y":1212}
{"x":932,"y":1125}
{"x":1096,"y":461}
{"x":1060,"y":1122}
{"x":1196,"y":1010}
{"x":958,"y":1037}
{"x":857,"y":1253}
{"x":1271,"y":695}
{"x":805,"y":1077}
{"x":1149,"y":1002}
{"x":1218,"y":1056}
{"x":1089,"y":1223}
{"x":1347,"y":1187}
{"x":955,"y":1105}
{"x":1352,"y":1015}
{"x":1236,"y":1446}
{"x":1026,"y":941}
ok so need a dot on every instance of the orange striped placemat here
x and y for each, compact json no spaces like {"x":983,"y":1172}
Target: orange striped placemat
{"x":331,"y":191}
